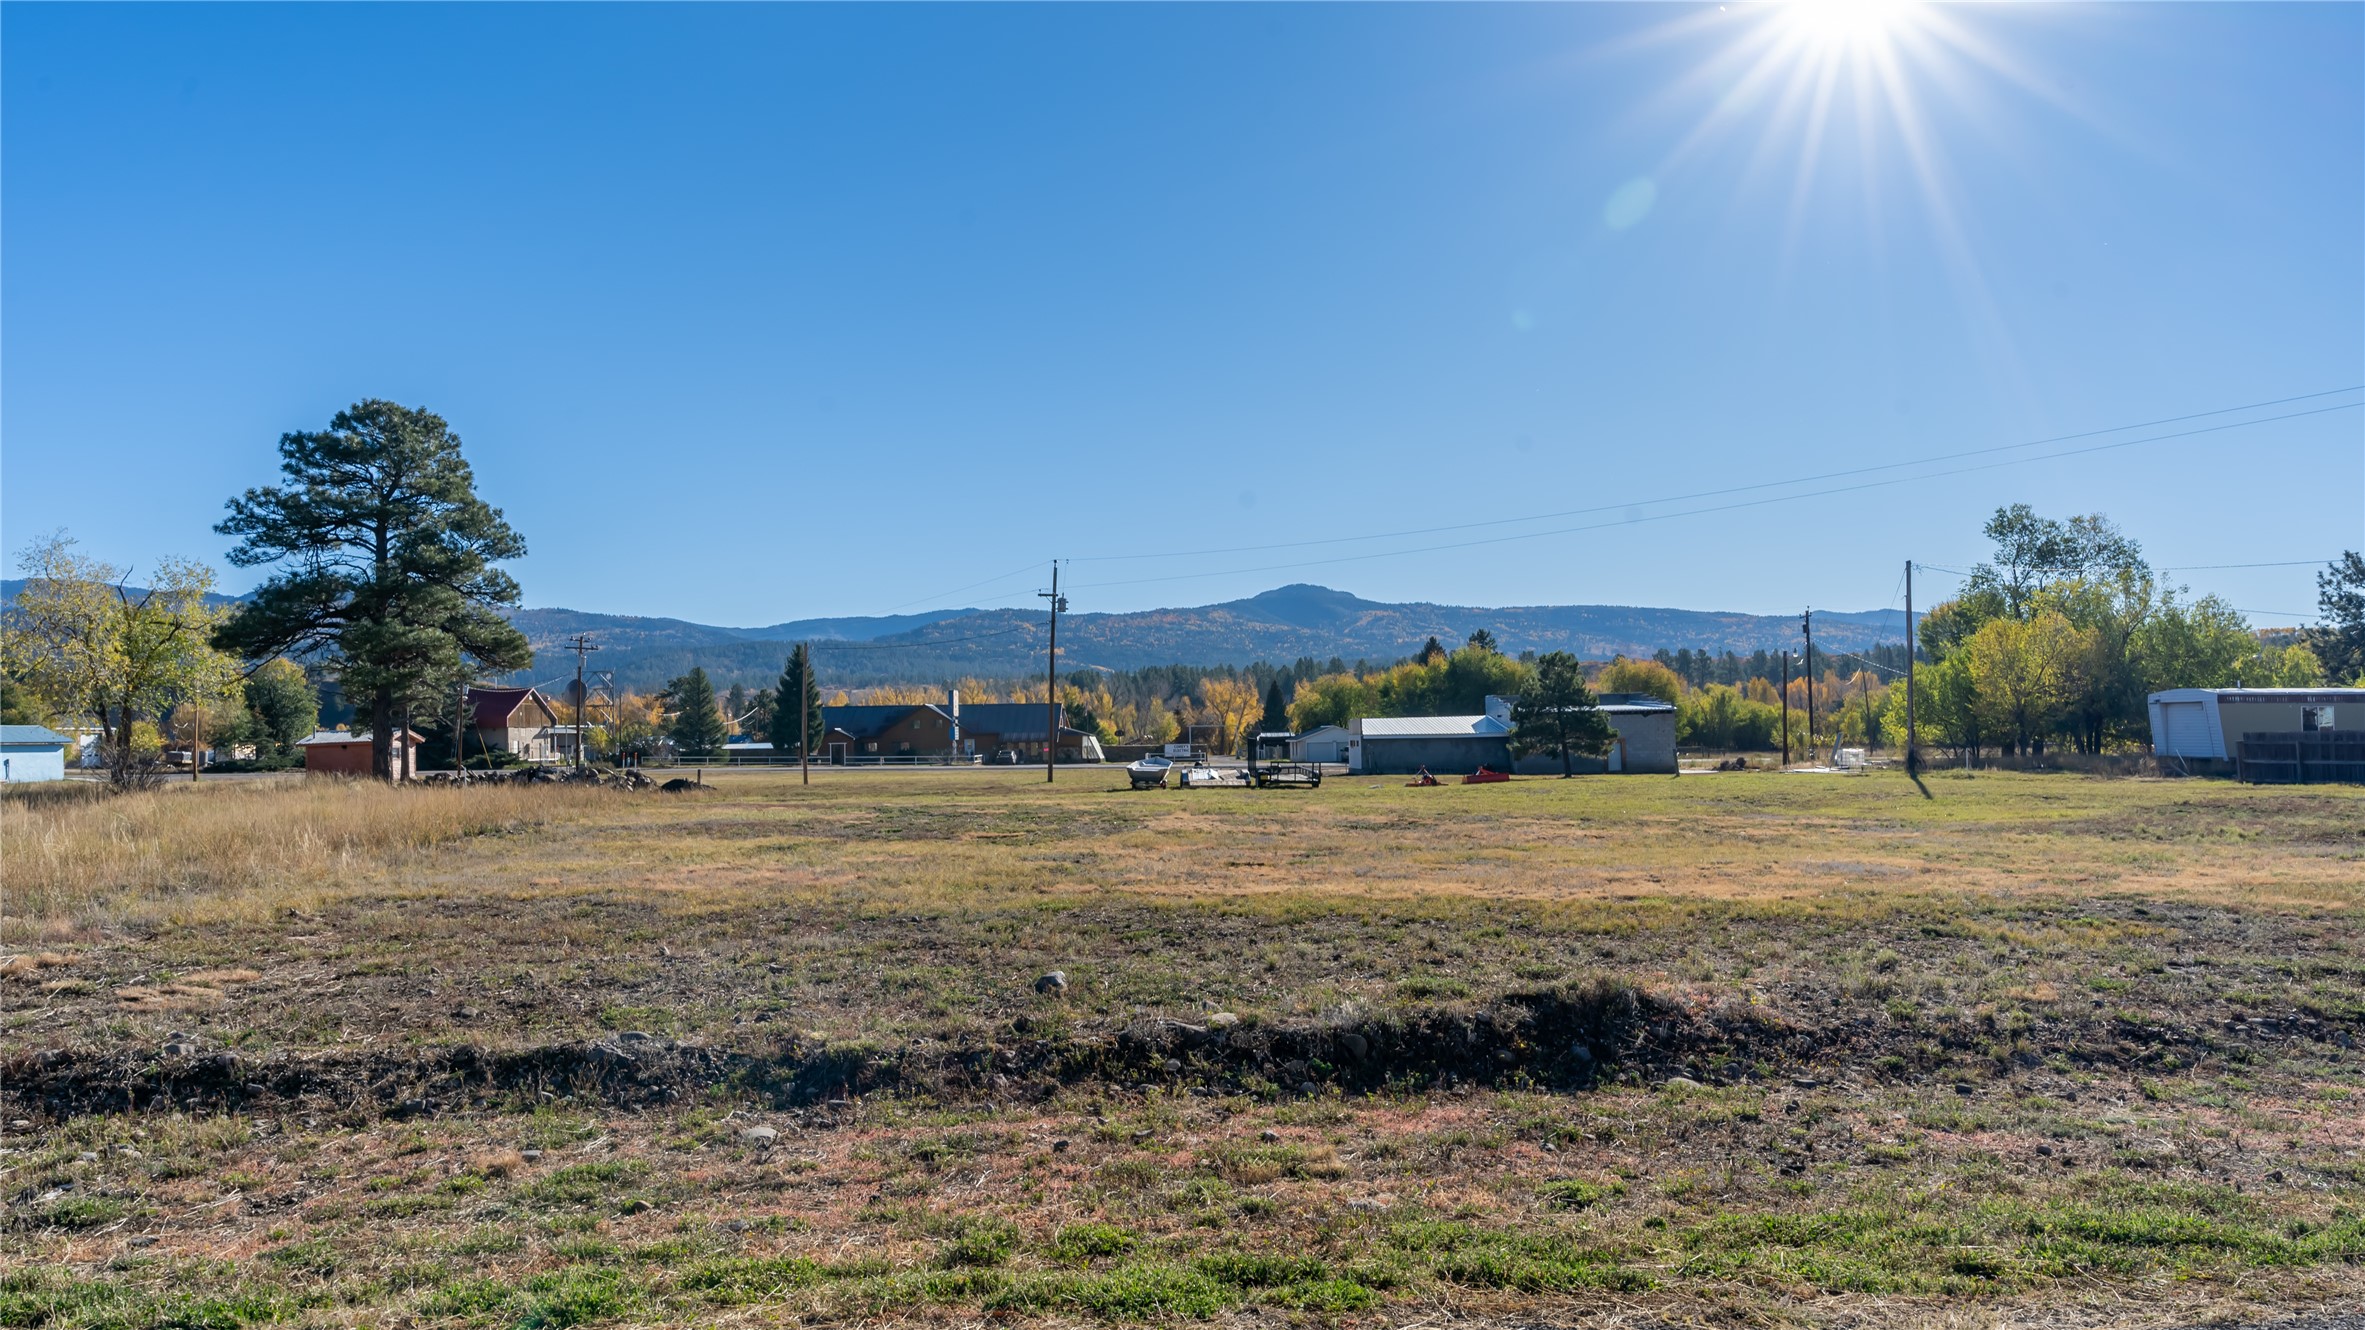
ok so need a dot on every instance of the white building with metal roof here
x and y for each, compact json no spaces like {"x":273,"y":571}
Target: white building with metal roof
{"x":1402,"y":745}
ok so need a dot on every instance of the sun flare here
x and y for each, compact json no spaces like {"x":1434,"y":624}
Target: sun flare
{"x":1845,"y":24}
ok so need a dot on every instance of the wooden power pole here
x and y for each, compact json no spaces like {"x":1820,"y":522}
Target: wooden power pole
{"x":1786,"y":707}
{"x":805,"y":719}
{"x":1913,"y":757}
{"x":582,"y":646}
{"x":1806,"y":624}
{"x":1051,"y":681}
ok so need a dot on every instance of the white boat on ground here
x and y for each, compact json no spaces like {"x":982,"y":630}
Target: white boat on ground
{"x":1149,"y":773}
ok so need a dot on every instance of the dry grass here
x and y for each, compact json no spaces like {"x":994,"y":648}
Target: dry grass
{"x":74,"y":866}
{"x":2092,"y":1053}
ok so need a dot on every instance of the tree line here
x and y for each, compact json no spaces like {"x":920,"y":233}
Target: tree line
{"x":2060,"y":637}
{"x":383,"y":586}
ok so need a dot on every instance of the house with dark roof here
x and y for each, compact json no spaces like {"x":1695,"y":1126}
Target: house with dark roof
{"x":513,"y":720}
{"x":996,"y":731}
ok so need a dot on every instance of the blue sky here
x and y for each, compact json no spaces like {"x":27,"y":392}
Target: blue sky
{"x":750,"y":313}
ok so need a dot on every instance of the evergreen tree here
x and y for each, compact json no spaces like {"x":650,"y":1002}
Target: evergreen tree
{"x":386,"y":557}
{"x":796,"y":682}
{"x":697,"y":723}
{"x":1483,"y":640}
{"x":2340,"y":596}
{"x":1276,"y":717}
{"x":734,"y":706}
{"x":1556,"y":713}
{"x":1431,"y":651}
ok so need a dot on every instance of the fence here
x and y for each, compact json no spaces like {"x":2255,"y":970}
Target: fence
{"x":819,"y":760}
{"x":2301,"y":758}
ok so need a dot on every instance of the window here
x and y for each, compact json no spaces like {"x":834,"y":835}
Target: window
{"x":2315,"y":718}
{"x":871,"y":747}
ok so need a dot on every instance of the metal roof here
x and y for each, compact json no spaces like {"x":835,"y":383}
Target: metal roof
{"x":345,"y":737}
{"x":2326,"y":694}
{"x":1433,"y":727}
{"x":31,"y":734}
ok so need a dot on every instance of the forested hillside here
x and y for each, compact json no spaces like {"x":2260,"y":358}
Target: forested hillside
{"x":1284,"y":624}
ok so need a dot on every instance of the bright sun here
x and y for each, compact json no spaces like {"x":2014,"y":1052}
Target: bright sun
{"x":1831,"y":24}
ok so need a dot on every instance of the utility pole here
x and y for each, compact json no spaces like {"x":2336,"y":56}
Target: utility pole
{"x":460,"y":730}
{"x":582,"y":646}
{"x":1806,"y":625}
{"x":1864,"y":695}
{"x":1051,"y":681}
{"x":1785,"y":706}
{"x":604,"y":695}
{"x":805,"y":720}
{"x":1913,"y":757}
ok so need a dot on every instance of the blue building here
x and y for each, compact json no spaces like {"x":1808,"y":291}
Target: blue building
{"x":32,"y":752}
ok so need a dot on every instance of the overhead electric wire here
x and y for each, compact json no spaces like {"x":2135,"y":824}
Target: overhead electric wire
{"x":916,"y":646}
{"x":1770,"y":484}
{"x":1030,"y":564}
{"x":2210,"y":567}
{"x":1729,"y":507}
{"x":1850,"y":655}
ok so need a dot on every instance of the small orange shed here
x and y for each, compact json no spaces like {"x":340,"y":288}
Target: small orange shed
{"x":347,"y":753}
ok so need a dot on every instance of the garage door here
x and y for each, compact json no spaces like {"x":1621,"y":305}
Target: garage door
{"x":2188,"y":730}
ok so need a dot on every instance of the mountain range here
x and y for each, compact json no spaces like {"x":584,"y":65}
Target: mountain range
{"x":1280,"y":625}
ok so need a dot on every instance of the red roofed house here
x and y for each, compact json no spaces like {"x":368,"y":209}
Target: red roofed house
{"x":513,"y":720}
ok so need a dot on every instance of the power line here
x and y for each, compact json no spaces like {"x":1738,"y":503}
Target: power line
{"x":1725,"y":507}
{"x":917,"y":646}
{"x":1004,"y":577}
{"x":2210,"y":567}
{"x":1742,"y":489}
{"x":1850,"y":655}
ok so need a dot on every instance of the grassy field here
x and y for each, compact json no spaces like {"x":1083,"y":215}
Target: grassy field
{"x":1741,"y":1049}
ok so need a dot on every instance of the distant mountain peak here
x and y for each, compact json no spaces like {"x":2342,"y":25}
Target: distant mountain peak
{"x":1304,"y":605}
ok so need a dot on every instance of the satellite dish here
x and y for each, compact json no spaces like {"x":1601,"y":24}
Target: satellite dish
{"x":574,"y":692}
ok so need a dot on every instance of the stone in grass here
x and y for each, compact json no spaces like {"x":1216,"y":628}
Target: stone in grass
{"x":1222,"y":1020}
{"x":759,"y":1135}
{"x":1053,"y":984}
{"x":1680,"y":1083}
{"x":1356,"y":1045}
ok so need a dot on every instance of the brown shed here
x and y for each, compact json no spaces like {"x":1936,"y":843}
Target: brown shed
{"x":347,"y":753}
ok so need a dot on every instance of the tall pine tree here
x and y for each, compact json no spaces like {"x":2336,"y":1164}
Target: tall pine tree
{"x":796,"y":682}
{"x":1556,"y":713}
{"x":698,"y":726}
{"x":386,"y":561}
{"x":1276,"y":717}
